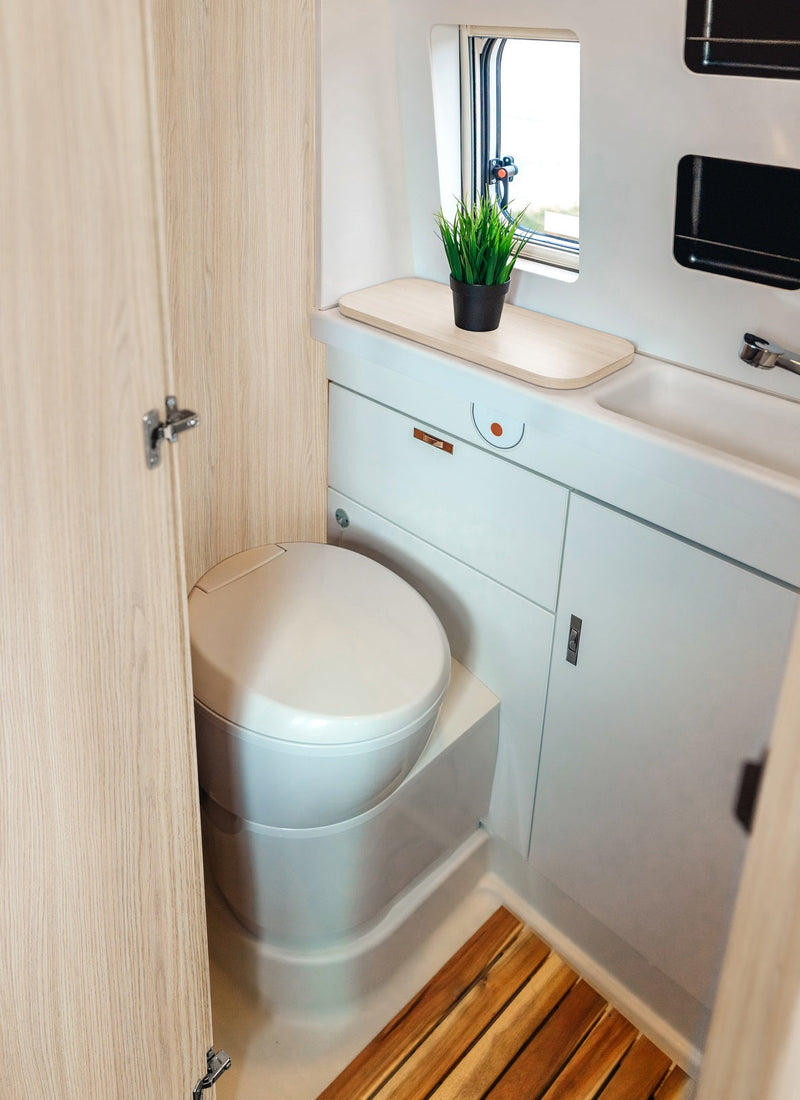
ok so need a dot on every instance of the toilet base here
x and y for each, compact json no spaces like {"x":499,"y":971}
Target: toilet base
{"x":305,"y":984}
{"x":314,"y":900}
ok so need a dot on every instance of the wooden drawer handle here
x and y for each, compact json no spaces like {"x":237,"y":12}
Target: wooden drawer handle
{"x":440,"y":444}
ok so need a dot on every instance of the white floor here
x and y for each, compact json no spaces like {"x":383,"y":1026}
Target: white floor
{"x":282,"y":1058}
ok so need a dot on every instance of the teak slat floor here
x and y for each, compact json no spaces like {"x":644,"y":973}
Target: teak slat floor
{"x":506,"y":1019}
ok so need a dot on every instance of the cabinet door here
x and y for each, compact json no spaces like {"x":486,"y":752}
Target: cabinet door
{"x":681,"y":656}
{"x":499,"y":636}
{"x":103,"y":956}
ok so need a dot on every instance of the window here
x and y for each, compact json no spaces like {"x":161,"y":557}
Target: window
{"x":520,"y":133}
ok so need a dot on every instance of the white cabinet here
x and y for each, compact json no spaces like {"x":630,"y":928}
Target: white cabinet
{"x":680,"y":660}
{"x":480,"y":538}
{"x":487,"y":512}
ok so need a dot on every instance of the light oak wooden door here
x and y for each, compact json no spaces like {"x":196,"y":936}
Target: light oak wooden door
{"x":103,"y":955}
{"x":753,"y":1049}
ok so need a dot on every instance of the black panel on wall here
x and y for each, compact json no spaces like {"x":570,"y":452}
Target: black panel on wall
{"x":739,"y":219}
{"x":744,"y":37}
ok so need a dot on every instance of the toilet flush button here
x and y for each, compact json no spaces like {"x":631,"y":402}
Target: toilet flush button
{"x":497,"y":428}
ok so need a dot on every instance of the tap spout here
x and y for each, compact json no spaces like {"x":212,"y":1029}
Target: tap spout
{"x":762,"y":354}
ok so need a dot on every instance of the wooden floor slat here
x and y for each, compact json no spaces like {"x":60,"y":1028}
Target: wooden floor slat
{"x":507,"y":1019}
{"x":677,"y":1086}
{"x":595,"y":1059}
{"x":425,"y":1068}
{"x":409,"y":1027}
{"x":500,"y":1043}
{"x":643,"y":1069}
{"x":537,"y":1065}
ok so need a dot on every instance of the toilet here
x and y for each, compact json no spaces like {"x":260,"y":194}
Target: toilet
{"x":330,"y":793}
{"x":318,"y":676}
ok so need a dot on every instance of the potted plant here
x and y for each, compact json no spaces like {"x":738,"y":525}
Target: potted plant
{"x":481,"y":250}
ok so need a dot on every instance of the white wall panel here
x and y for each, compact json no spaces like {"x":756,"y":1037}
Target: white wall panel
{"x":365,"y":231}
{"x":642,"y":109}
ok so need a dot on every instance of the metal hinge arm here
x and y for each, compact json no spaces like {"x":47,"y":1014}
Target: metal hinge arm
{"x":218,"y":1062}
{"x":157,"y":430}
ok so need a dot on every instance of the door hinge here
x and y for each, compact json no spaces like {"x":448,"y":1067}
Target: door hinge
{"x":217,"y":1062}
{"x":156,"y":430}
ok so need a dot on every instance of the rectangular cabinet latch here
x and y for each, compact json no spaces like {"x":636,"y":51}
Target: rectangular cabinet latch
{"x":217,"y":1062}
{"x":574,"y":639}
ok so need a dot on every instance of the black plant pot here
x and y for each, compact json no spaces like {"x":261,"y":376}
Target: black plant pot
{"x":477,"y":307}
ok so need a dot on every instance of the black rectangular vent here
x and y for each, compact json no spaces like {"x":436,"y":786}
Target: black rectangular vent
{"x":739,"y":219}
{"x":744,"y":37}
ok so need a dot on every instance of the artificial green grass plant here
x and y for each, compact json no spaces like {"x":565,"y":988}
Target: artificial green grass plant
{"x":479,"y":242}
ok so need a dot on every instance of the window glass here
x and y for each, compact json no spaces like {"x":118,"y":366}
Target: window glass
{"x":540,"y":128}
{"x":524,"y":112}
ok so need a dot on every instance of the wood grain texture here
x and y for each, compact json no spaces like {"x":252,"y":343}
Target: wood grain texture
{"x":506,"y":1018}
{"x":236,"y":103}
{"x":424,"y":1069}
{"x":417,"y":1020}
{"x":544,"y":1056}
{"x":595,"y":1060}
{"x":753,"y":1047}
{"x":531,"y":346}
{"x":642,"y":1070}
{"x":677,"y":1086}
{"x":499,"y":1044}
{"x":103,"y":952}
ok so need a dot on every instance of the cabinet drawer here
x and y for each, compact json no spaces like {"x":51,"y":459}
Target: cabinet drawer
{"x":484,"y":510}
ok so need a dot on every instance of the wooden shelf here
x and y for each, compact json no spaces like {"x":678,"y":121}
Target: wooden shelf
{"x":542,"y":350}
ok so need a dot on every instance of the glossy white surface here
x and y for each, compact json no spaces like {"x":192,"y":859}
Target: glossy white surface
{"x":641,"y":111}
{"x":308,"y":888}
{"x":463,"y":502}
{"x":279,"y":783}
{"x":680,"y":661}
{"x":735,"y":506}
{"x":499,"y":635}
{"x":503,"y":432}
{"x":292,"y":1053}
{"x":747,"y":424}
{"x":741,"y":509}
{"x":317,"y":647}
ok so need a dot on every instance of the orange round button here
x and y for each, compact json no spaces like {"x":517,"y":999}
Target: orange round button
{"x":496,"y":427}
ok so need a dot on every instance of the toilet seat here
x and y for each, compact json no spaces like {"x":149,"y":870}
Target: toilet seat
{"x":316,"y":645}
{"x":318,"y":677}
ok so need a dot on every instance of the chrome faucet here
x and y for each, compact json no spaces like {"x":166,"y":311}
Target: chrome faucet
{"x":764,"y":355}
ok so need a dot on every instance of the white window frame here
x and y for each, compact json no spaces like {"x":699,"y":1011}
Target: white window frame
{"x":540,"y":247}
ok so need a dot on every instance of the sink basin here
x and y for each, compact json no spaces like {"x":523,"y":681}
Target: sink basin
{"x":747,"y":424}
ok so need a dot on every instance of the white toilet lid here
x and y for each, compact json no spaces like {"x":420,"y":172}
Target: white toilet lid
{"x":315,"y":644}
